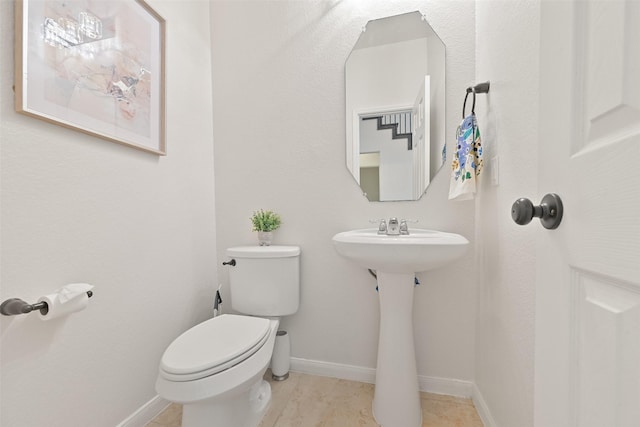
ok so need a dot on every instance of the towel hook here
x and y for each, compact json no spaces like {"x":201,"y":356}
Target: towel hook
{"x":479,"y":88}
{"x":473,"y":106}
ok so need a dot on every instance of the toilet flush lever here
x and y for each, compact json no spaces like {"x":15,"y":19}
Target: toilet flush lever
{"x":232,"y":263}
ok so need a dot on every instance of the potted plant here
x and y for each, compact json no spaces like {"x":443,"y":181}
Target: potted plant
{"x":265,"y":222}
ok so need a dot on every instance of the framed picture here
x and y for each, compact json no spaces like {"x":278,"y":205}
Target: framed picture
{"x":95,"y":66}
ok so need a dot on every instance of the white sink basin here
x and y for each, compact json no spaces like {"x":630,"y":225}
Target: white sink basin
{"x":421,"y":250}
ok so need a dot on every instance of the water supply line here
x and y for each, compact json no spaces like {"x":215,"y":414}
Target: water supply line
{"x":416,"y":282}
{"x":217,"y":301}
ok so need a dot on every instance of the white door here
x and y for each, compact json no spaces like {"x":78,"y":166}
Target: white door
{"x":421,"y":129}
{"x":587,"y":361}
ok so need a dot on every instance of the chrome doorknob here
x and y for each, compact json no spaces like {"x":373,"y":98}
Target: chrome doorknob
{"x":549,"y":211}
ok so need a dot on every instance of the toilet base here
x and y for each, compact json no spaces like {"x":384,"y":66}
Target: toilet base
{"x":240,"y":410}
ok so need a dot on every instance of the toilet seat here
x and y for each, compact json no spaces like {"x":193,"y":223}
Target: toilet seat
{"x":213,"y":346}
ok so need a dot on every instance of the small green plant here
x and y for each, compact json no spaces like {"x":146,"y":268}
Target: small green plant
{"x":265,"y":220}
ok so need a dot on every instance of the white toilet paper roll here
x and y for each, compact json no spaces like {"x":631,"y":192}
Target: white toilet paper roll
{"x":57,"y":309}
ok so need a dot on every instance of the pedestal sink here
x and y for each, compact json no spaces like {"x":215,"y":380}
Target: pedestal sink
{"x":396,"y":259}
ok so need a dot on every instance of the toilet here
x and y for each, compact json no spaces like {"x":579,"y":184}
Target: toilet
{"x":215,"y":369}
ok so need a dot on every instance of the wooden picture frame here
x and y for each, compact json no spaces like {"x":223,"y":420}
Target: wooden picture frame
{"x":93,"y":66}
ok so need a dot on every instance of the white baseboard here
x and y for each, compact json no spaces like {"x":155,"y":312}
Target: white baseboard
{"x":333,"y":370}
{"x":147,"y":412}
{"x":449,"y":386}
{"x":482,"y":408}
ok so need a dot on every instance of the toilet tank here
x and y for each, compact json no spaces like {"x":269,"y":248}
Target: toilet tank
{"x":265,"y":280}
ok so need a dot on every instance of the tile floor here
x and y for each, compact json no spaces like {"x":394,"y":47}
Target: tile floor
{"x":313,"y":401}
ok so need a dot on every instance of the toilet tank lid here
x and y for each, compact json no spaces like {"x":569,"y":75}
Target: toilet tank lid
{"x":263,"y":251}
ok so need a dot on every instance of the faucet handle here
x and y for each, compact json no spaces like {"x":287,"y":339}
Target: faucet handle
{"x":382,"y":225}
{"x":404,"y":228}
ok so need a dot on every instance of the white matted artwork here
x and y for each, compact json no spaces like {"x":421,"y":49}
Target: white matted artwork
{"x":96,"y":66}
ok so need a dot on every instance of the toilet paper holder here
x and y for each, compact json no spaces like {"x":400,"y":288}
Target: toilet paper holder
{"x":14,"y":306}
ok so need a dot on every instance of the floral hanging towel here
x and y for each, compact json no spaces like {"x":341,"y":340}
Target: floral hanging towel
{"x":467,"y":160}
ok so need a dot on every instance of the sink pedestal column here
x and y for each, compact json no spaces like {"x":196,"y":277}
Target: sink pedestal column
{"x":396,"y":401}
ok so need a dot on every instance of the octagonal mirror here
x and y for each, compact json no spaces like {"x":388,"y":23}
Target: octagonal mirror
{"x":395,"y":108}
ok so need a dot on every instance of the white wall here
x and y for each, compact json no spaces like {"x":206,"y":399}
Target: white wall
{"x":279,"y":112}
{"x":138,"y":227}
{"x":507,"y":51}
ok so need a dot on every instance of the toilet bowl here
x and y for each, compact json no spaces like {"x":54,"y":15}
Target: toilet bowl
{"x":219,"y":379}
{"x":215,"y":369}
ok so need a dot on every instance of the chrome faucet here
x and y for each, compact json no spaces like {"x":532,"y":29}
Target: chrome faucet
{"x":393,"y":228}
